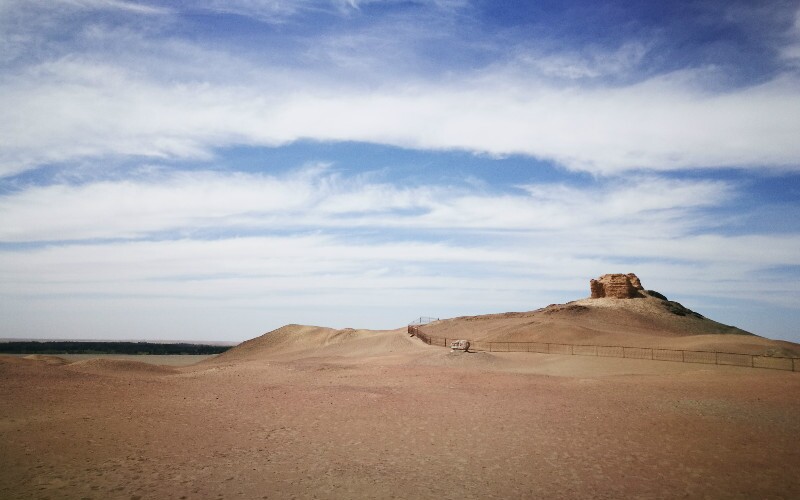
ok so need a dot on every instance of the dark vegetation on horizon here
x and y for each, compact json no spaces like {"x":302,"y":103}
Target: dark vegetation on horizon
{"x":70,"y":347}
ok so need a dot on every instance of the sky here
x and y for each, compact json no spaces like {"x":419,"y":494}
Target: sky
{"x":212,"y":170}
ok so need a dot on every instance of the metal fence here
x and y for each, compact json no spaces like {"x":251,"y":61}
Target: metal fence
{"x":613,"y":351}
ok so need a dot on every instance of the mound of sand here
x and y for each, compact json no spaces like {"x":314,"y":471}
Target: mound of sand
{"x":106,"y":366}
{"x":6,"y":359}
{"x":649,"y":321}
{"x":458,"y":359}
{"x":32,"y":360}
{"x":47,"y":359}
{"x":298,"y":340}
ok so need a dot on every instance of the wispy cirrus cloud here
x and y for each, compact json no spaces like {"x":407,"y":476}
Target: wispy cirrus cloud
{"x":791,"y":49}
{"x":260,"y":282}
{"x":319,"y":197}
{"x":586,"y":64}
{"x":282,"y":11}
{"x":122,"y":5}
{"x":315,"y":222}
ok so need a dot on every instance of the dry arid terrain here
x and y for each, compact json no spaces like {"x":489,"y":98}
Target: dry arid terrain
{"x":308,"y":412}
{"x":646,"y":322}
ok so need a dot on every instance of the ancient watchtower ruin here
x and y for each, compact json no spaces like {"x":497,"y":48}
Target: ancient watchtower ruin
{"x":618,"y":286}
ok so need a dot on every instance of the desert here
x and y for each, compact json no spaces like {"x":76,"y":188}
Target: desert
{"x":415,"y":249}
{"x":313,"y":412}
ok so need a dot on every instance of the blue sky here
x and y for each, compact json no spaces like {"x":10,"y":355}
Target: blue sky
{"x":213,"y":170}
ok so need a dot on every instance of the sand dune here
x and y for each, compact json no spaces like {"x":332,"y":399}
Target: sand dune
{"x":642,"y":322}
{"x":293,"y":341}
{"x":119,"y":367}
{"x":47,"y":359}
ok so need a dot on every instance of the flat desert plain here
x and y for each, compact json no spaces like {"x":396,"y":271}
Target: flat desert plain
{"x":307,"y":412}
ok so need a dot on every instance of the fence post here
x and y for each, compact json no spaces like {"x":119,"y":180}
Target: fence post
{"x":415,"y":330}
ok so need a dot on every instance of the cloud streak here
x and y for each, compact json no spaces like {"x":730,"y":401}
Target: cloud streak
{"x":79,"y":110}
{"x":320,"y":197}
{"x":165,"y":106}
{"x":234,"y":226}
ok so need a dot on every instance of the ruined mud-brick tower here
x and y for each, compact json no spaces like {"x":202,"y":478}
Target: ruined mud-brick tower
{"x":618,"y":286}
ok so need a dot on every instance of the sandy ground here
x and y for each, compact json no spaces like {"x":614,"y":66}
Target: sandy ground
{"x":152,"y":359}
{"x":316,"y":413}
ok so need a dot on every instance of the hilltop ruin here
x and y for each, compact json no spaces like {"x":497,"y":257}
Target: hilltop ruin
{"x":618,"y":286}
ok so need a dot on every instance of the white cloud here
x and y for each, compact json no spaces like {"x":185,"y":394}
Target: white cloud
{"x":560,"y":235}
{"x":134,"y":7}
{"x":281,"y":11}
{"x":791,"y":49}
{"x":306,"y":260}
{"x":591,"y":62}
{"x":240,"y":267}
{"x":119,"y":89}
{"x":264,"y":10}
{"x":272,"y":280}
{"x":73,"y":108}
{"x":318,"y":197}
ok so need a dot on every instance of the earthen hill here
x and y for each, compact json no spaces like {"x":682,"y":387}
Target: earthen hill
{"x":618,"y":312}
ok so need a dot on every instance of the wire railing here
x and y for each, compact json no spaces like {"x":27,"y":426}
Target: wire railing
{"x":423,"y":320}
{"x":613,"y":351}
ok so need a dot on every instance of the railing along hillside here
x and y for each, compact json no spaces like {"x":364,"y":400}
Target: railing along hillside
{"x":422,"y":320}
{"x":652,"y":353}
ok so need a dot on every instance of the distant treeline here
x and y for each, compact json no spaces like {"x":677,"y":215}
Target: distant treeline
{"x":67,"y":347}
